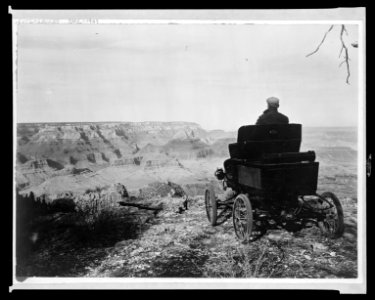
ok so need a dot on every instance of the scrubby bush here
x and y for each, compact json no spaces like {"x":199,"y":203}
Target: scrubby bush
{"x":101,"y":222}
{"x":89,"y":208}
{"x":118,"y":153}
{"x":103,"y":137}
{"x":95,"y":209}
{"x":85,"y":137}
{"x":138,"y":160}
{"x":91,"y":157}
{"x":120,"y":132}
{"x":54,"y":164}
{"x":204,"y":153}
{"x":105,"y":158}
{"x":21,"y":158}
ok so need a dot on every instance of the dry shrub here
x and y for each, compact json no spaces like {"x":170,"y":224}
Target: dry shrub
{"x":101,"y":220}
{"x":245,"y":262}
{"x":93,"y":208}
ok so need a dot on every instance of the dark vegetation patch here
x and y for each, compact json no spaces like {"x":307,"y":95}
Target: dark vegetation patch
{"x":21,"y":158}
{"x":65,"y":237}
{"x":54,"y":164}
{"x":103,"y":137}
{"x":105,"y":158}
{"x":24,"y":140}
{"x":72,"y":160}
{"x":91,"y":157}
{"x":23,"y":185}
{"x":138,"y":160}
{"x":205,"y":152}
{"x":118,"y":153}
{"x":84,"y":137}
{"x":120,"y":132}
{"x":77,"y":171}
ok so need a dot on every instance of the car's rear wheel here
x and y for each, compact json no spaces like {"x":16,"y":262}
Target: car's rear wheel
{"x":242,"y":218}
{"x":211,"y":205}
{"x":333,"y":223}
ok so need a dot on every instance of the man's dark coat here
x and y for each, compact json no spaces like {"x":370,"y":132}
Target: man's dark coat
{"x":272,"y":116}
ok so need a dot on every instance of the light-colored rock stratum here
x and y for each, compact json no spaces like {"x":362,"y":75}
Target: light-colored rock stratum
{"x":55,"y":157}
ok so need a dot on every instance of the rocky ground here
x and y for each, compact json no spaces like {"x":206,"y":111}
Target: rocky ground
{"x":140,"y":243}
{"x":186,"y":245}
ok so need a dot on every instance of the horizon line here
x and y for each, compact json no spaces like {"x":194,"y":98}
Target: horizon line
{"x":191,"y":122}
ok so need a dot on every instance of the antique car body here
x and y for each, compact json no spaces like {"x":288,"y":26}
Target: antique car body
{"x":274,"y":184}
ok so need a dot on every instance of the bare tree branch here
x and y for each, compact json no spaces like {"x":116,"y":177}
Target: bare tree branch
{"x":344,"y":29}
{"x":343,"y":48}
{"x":324,"y":37}
{"x":346,"y":56}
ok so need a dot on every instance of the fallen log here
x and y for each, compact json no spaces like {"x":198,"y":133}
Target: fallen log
{"x":122,"y":203}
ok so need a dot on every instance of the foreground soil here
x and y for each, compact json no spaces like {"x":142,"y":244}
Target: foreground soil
{"x":184,"y":244}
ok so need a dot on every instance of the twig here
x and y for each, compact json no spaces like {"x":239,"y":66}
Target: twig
{"x":324,"y":37}
{"x":346,"y":57}
{"x":343,"y":48}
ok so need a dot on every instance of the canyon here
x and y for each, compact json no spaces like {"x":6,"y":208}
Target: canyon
{"x":53,"y":158}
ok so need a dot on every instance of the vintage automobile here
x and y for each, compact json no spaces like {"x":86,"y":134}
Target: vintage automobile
{"x":273,"y":184}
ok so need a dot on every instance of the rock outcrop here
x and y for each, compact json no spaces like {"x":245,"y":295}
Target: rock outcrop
{"x":46,"y":150}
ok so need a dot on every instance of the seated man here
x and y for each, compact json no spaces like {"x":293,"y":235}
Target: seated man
{"x":271,"y":115}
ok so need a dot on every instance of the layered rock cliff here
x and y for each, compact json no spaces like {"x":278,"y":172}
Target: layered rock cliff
{"x":45,"y":150}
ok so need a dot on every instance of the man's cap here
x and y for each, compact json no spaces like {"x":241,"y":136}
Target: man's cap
{"x":273,"y":101}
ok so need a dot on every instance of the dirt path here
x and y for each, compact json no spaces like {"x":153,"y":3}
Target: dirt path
{"x":186,"y":245}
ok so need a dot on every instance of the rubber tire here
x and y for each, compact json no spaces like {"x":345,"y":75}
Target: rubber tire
{"x":249,"y":218}
{"x":209,"y":197}
{"x":340,"y":214}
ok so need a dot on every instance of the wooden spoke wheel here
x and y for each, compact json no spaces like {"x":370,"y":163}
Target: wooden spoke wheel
{"x":242,"y":218}
{"x":211,"y":205}
{"x":333,"y":224}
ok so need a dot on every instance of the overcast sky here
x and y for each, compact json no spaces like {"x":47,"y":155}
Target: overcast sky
{"x":216,"y":75}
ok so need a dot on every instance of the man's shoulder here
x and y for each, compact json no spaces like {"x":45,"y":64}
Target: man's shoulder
{"x":261,"y":119}
{"x":279,"y":113}
{"x":283,"y":116}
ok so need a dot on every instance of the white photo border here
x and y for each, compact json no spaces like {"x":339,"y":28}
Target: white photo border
{"x":355,"y":16}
